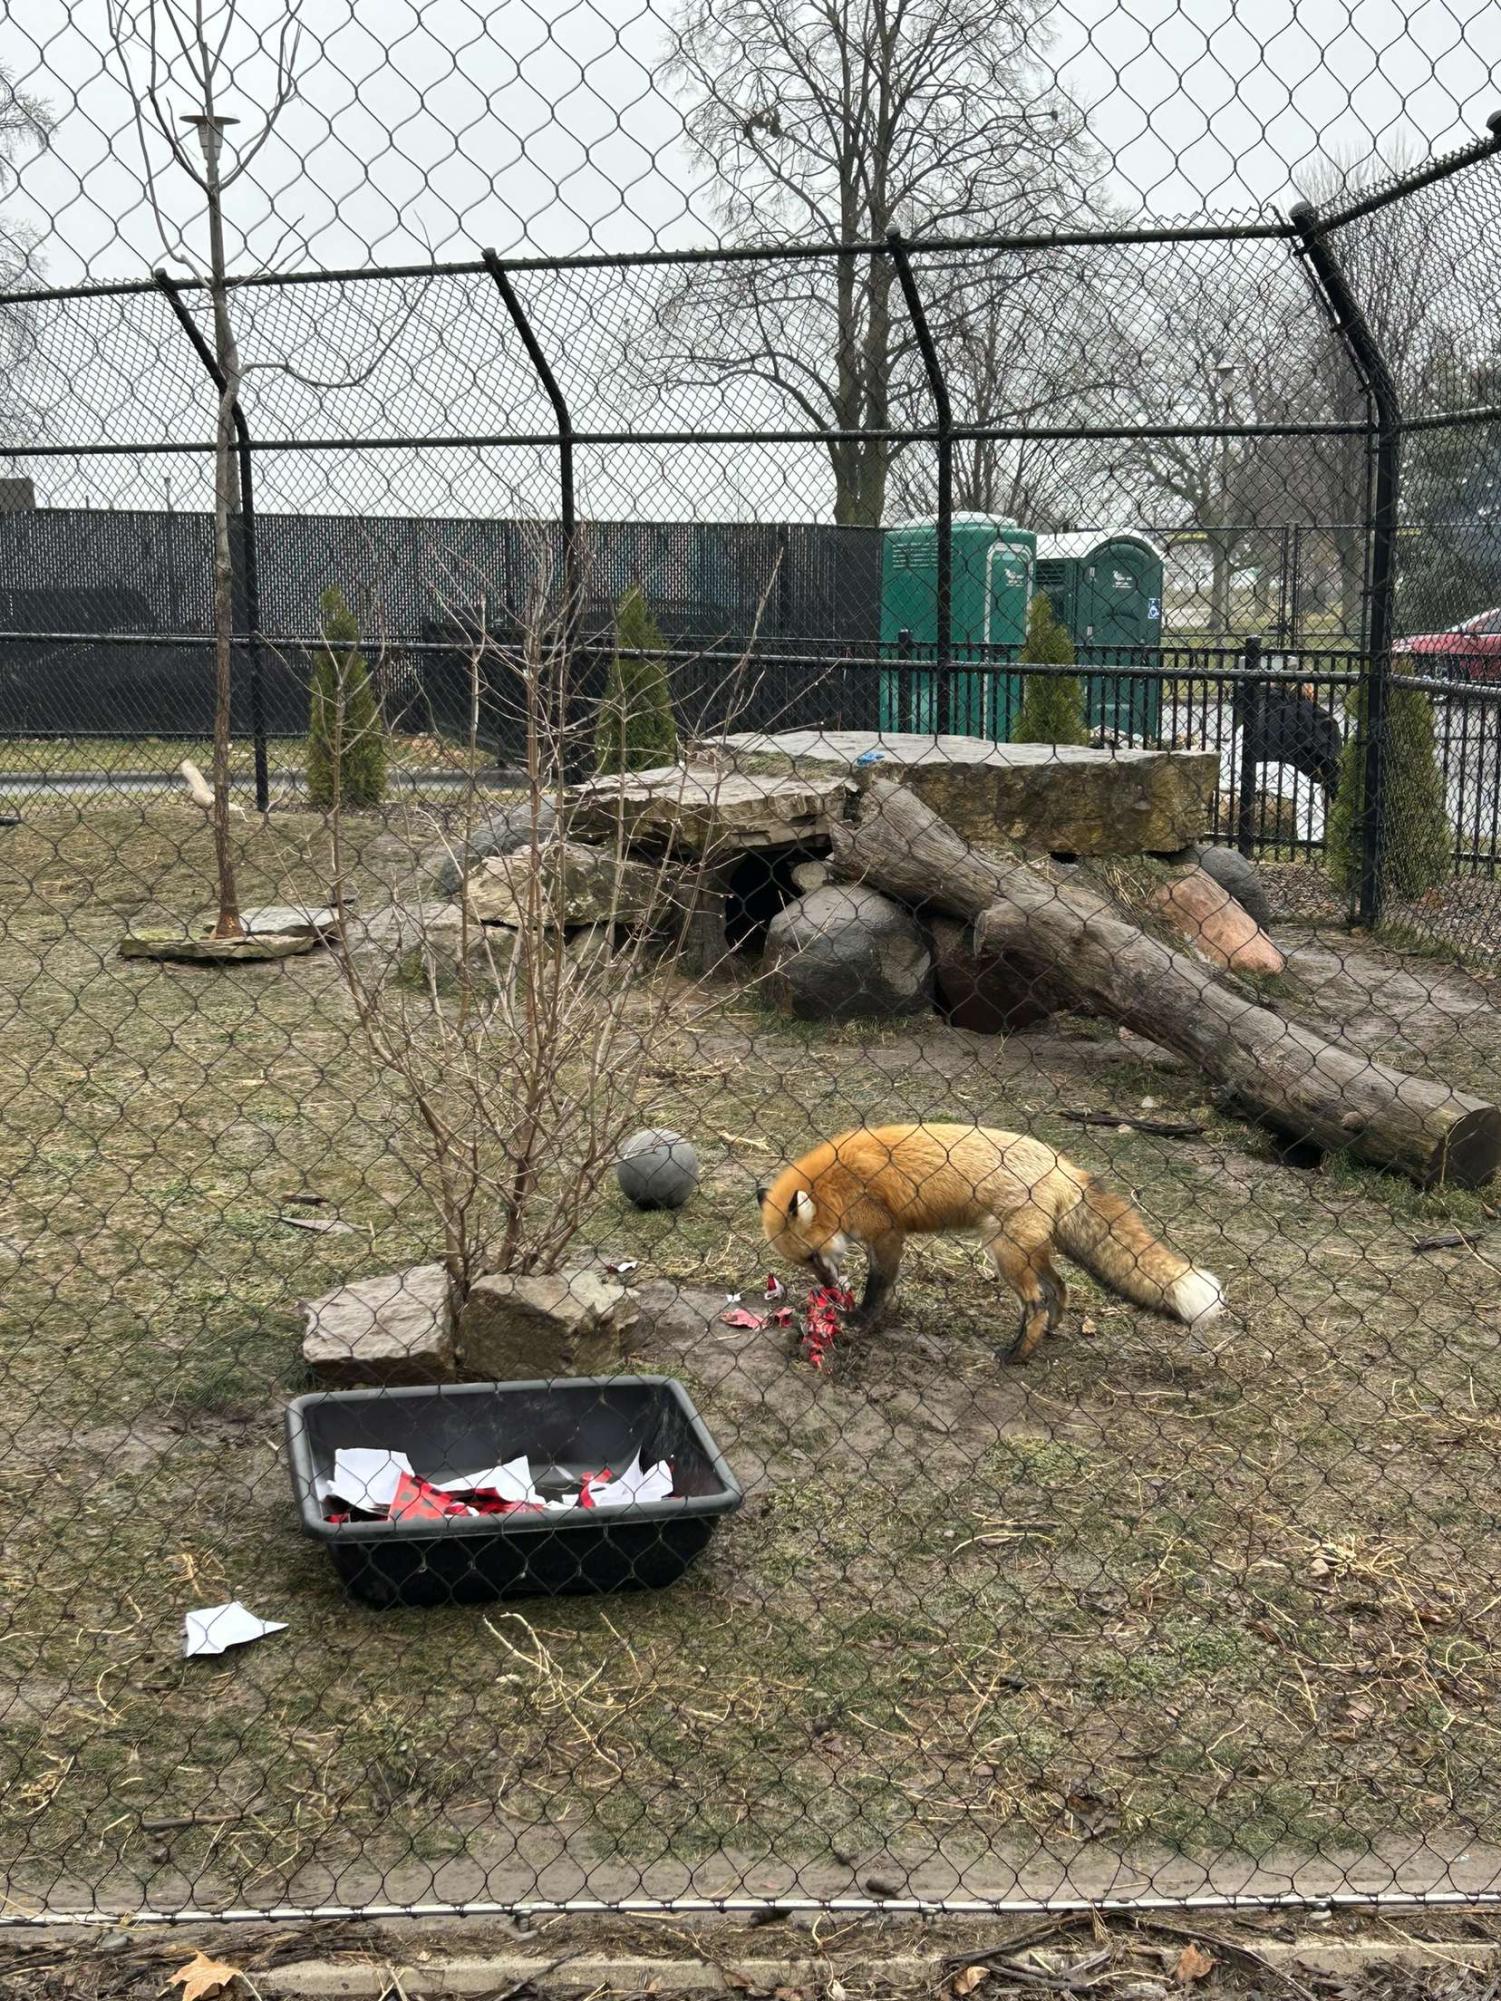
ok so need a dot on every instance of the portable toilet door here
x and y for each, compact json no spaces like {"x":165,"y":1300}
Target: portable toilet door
{"x":1008,"y":592}
{"x":1107,"y":590}
{"x":990,"y":582}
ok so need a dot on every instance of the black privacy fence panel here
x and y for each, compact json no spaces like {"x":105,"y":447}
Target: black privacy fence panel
{"x":419,"y":588}
{"x":752,"y":1025}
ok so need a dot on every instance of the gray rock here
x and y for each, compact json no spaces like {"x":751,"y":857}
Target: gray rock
{"x":657,"y":1169}
{"x":1239,"y":878}
{"x":570,"y":1323}
{"x":395,"y":1331}
{"x":574,"y":886}
{"x":808,"y":876}
{"x":503,"y":833}
{"x":428,"y":942}
{"x":844,"y":951}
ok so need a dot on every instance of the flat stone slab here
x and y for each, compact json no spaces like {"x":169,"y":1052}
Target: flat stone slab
{"x":392,"y":1332}
{"x":287,"y":919}
{"x":698,"y":810}
{"x":176,"y":946}
{"x":1059,"y":799}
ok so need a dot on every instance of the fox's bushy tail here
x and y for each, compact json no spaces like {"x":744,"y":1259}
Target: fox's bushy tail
{"x":1111,"y":1240}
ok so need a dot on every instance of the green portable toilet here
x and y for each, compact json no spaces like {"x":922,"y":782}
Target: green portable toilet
{"x":991,"y":588}
{"x":1107,"y":590}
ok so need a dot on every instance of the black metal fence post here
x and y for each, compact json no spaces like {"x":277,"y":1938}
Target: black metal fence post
{"x":246,"y":585}
{"x":573,"y":747}
{"x":1252,"y":735}
{"x":1381,"y":530}
{"x":944,"y":608}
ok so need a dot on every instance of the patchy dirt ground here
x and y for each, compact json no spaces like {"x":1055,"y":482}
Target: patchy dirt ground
{"x":1154,"y":1611}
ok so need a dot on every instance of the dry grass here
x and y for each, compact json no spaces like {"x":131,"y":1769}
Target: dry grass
{"x":1147,"y":1593}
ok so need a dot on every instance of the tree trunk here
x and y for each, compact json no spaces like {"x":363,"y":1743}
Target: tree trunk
{"x":1287,"y":1075}
{"x":228,"y":924}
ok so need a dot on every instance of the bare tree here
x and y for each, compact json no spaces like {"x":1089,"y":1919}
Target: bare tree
{"x":167,"y":49}
{"x":518,"y":1053}
{"x":1231,"y":335}
{"x":835,"y":121}
{"x":25,"y":126}
{"x":1404,"y":292}
{"x":1030,"y":343}
{"x":1210,"y":340}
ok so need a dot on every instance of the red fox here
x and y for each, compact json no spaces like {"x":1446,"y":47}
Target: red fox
{"x":879,"y":1185}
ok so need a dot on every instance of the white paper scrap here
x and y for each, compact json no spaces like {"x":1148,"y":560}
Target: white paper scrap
{"x":215,"y":1627}
{"x":513,"y":1481}
{"x":365,"y":1476}
{"x":634,"y":1486}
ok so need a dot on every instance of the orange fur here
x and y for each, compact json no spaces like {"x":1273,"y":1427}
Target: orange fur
{"x":874,"y":1187}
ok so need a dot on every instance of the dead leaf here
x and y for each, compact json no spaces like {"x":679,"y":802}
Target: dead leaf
{"x":1193,"y":1964}
{"x":736,"y":1979}
{"x":967,"y":1979}
{"x":787,"y":1994}
{"x":202,"y":1978}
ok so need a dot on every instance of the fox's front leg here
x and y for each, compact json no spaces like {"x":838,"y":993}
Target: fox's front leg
{"x":884,"y":1256}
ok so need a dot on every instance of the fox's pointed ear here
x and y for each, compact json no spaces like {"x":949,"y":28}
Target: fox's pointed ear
{"x":763,"y":1189}
{"x":803,"y":1206}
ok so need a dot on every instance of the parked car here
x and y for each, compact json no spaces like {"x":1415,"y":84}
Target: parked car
{"x":1467,"y":652}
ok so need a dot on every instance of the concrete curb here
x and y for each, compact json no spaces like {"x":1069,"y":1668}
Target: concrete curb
{"x":603,"y":1973}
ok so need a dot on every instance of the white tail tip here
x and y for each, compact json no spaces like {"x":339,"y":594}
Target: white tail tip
{"x":1198,"y":1297}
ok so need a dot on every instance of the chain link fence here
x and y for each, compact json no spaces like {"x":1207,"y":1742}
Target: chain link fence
{"x":750,"y":1009}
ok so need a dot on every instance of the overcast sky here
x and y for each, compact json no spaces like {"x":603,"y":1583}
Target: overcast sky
{"x":442,"y":126}
{"x":453,"y":124}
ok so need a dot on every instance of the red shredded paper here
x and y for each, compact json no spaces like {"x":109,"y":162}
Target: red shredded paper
{"x":826,"y":1306}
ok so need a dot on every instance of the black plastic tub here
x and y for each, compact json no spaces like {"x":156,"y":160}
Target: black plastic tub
{"x":567,"y":1428}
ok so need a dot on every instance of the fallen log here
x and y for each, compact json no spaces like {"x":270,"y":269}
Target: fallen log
{"x":1285,"y":1074}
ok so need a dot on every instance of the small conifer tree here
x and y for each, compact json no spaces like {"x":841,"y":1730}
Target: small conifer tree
{"x":346,"y":753}
{"x":1416,"y":838}
{"x":636,"y":729}
{"x":1052,"y":709}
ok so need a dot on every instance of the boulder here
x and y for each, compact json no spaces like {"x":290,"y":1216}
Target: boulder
{"x":573,"y":886}
{"x":1240,"y":876}
{"x":571,"y":1323}
{"x":700,"y":810}
{"x":503,"y":833}
{"x":395,"y":1331}
{"x":808,"y":876}
{"x":423,"y":942}
{"x":981,"y":990}
{"x":845,"y":951}
{"x":1050,"y":798}
{"x":1208,"y":916}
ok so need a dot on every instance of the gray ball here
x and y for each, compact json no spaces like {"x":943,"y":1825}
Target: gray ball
{"x":657,"y":1169}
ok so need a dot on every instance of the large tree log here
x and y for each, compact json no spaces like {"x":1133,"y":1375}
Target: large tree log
{"x":1069,"y":933}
